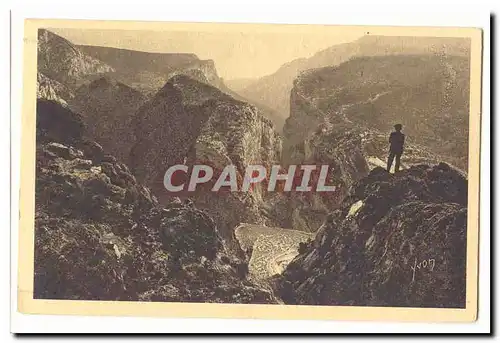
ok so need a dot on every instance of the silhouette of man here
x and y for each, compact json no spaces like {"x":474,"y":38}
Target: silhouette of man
{"x":397,"y":141}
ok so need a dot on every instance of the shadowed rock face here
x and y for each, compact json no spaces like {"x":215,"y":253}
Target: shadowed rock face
{"x":194,"y":123}
{"x":57,"y":123}
{"x":108,"y":107}
{"x":396,"y":240}
{"x":340,"y":148}
{"x":101,"y":235}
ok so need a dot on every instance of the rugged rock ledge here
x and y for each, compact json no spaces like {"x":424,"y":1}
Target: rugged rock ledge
{"x":396,"y":240}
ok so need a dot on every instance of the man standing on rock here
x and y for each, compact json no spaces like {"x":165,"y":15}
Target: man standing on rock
{"x":397,"y":141}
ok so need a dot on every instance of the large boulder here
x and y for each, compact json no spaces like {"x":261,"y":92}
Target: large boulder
{"x":396,"y":240}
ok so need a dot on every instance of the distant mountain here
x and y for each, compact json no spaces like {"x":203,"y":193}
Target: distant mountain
{"x":274,"y":90}
{"x":62,"y":61}
{"x":277,"y":120}
{"x":138,"y":61}
{"x":149,"y":71}
{"x":428,"y":94}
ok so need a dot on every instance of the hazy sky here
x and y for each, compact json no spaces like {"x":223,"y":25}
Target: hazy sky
{"x":237,"y":54}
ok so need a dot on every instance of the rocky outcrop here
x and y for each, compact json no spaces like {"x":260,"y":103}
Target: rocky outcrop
{"x":274,"y":90}
{"x":108,"y":107}
{"x":192,"y":122}
{"x":61,"y":61}
{"x":203,"y":71}
{"x":396,"y":240}
{"x":52,"y":90}
{"x":429,"y":95}
{"x":101,"y":235}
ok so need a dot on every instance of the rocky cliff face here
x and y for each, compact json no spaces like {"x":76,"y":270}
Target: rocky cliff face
{"x":427,"y":94}
{"x":274,"y":90}
{"x":52,"y":90}
{"x":194,"y":123}
{"x":61,"y":61}
{"x":396,"y":240}
{"x":108,"y":107}
{"x":341,"y":149}
{"x":101,"y":235}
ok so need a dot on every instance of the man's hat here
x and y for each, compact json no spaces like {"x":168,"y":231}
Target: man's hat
{"x":398,"y":126}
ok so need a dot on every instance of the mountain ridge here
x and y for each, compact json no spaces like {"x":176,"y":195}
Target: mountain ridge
{"x":273,"y":90}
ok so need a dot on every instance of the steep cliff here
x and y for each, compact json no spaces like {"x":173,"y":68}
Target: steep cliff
{"x":192,"y":122}
{"x":274,"y":90}
{"x":61,"y":61}
{"x":338,"y":147}
{"x":396,"y":240}
{"x":101,"y":235}
{"x":108,"y":108}
{"x":429,"y":95}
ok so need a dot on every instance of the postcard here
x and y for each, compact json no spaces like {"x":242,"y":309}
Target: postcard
{"x":250,"y":170}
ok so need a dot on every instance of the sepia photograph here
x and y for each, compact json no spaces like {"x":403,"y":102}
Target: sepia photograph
{"x":293,"y":169}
